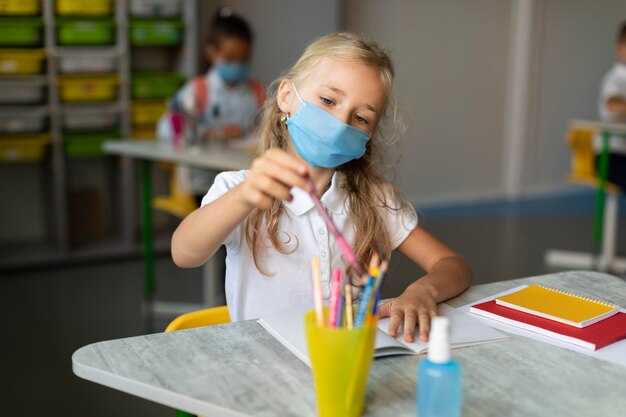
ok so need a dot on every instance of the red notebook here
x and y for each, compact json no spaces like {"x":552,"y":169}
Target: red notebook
{"x":594,"y":336}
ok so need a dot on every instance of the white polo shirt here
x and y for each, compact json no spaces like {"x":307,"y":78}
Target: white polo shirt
{"x":249,"y":293}
{"x":226,"y":105}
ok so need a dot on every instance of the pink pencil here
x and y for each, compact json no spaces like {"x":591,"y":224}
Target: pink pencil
{"x":335,"y":293}
{"x":317,"y":291}
{"x":341,"y":241}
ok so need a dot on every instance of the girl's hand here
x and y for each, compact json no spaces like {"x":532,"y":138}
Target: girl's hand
{"x":231,"y":131}
{"x":416,"y":306}
{"x":272,"y":175}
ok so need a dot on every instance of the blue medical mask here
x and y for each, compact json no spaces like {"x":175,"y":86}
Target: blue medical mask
{"x":233,"y":72}
{"x":322,"y":139}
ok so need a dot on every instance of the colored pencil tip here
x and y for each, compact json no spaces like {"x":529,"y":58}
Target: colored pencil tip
{"x":383,"y":267}
{"x":374,"y":260}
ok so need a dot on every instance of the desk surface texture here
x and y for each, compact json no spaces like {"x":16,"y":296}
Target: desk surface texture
{"x":239,"y":369}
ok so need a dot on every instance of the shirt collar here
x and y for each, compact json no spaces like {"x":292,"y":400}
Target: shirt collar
{"x":333,"y":199}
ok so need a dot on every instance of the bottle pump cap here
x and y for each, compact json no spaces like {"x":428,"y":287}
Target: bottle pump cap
{"x":439,"y":340}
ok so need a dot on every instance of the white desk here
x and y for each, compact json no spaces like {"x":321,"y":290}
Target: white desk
{"x":240,"y":370}
{"x":214,"y":157}
{"x":606,"y":214}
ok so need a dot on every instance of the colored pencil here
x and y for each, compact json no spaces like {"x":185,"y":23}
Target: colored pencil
{"x":335,"y":294}
{"x":317,"y":291}
{"x":374,"y":261}
{"x":379,"y":287}
{"x":341,"y":241}
{"x":349,"y":312}
{"x":340,"y":305}
{"x":364,"y":302}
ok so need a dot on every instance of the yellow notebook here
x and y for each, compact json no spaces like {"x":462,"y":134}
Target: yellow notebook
{"x":557,"y":305}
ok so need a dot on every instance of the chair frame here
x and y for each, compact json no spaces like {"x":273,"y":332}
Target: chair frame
{"x":580,"y":138}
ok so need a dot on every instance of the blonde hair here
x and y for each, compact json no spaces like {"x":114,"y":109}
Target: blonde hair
{"x":362,"y":180}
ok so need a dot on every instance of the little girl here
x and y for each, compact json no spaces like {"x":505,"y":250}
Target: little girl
{"x":226,"y":99}
{"x":323,"y":120}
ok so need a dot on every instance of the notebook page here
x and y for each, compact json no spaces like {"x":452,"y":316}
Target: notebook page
{"x":464,"y":331}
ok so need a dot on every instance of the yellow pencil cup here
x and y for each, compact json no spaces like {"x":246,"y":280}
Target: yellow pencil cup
{"x":340,"y":361}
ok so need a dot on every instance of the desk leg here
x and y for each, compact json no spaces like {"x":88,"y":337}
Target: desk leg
{"x":603,"y":173}
{"x":148,"y":248}
{"x":609,"y":235}
{"x":146,"y":208}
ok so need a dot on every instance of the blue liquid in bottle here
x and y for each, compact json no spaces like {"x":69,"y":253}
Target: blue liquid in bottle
{"x":439,"y":377}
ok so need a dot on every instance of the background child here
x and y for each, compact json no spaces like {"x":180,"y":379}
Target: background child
{"x":612,"y":108}
{"x":225,"y":100}
{"x":323,"y":120}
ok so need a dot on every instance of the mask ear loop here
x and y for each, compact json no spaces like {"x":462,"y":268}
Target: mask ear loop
{"x":298,"y":94}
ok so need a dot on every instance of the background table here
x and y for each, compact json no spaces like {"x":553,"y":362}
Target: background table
{"x":605,"y":219}
{"x":214,"y":157}
{"x":239,"y":369}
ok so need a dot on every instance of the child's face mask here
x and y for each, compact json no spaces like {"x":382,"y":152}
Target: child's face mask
{"x":322,"y":139}
{"x":233,"y":72}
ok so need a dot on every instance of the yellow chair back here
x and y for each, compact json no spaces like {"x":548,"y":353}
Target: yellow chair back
{"x":580,"y":139}
{"x":179,"y":203}
{"x":200,"y":318}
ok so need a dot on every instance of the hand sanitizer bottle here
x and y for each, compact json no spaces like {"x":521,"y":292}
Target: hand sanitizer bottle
{"x":439,"y":377}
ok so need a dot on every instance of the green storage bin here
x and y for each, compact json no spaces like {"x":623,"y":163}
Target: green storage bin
{"x":85,"y":31}
{"x":87,"y":144}
{"x":21,"y":31}
{"x":145,"y":32}
{"x":155,"y":85}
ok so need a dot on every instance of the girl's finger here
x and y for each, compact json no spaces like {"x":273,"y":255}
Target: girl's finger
{"x":270,"y":187}
{"x":274,"y":188}
{"x":424,"y":325}
{"x":397,"y":314}
{"x":286,"y":176}
{"x":409,"y":325}
{"x":383,"y":310}
{"x":287,"y":161}
{"x":259,"y":199}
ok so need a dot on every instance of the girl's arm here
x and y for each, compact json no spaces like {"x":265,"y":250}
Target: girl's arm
{"x":447,"y":275}
{"x":201,"y":233}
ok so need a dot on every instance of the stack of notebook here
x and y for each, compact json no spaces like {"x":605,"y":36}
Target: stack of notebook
{"x":585,"y":322}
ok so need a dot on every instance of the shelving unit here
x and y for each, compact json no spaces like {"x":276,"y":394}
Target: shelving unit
{"x":85,"y":100}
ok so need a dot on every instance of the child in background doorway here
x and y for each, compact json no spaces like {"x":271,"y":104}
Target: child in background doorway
{"x":225,"y":100}
{"x":612,"y":108}
{"x":323,"y":121}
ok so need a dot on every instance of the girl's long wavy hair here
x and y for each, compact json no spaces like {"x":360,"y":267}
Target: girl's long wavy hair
{"x":367,"y":191}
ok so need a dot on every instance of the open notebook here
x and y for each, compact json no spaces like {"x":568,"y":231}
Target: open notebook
{"x":288,"y":328}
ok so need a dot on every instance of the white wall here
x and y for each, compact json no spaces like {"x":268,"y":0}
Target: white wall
{"x":451,"y":59}
{"x":575,"y":49}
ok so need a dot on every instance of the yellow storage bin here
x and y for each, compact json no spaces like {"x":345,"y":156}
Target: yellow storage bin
{"x":25,"y":148}
{"x":144,"y":133}
{"x":147,"y":112}
{"x":88,"y":87}
{"x":20,"y":7}
{"x":84,"y":7}
{"x":21,"y":61}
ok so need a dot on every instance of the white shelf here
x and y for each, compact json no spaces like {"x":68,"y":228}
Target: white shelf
{"x":106,"y":51}
{"x":125,"y":240}
{"x":90,"y":108}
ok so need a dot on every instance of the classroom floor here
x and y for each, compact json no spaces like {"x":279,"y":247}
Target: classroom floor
{"x":51,"y":312}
